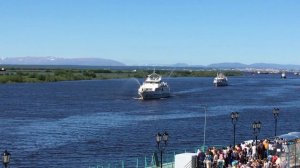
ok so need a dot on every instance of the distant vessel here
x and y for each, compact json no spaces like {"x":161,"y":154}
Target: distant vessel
{"x":283,"y":76}
{"x":154,"y":88}
{"x":220,"y":80}
{"x":262,"y":72}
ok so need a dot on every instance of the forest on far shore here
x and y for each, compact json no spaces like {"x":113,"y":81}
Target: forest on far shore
{"x":30,"y":75}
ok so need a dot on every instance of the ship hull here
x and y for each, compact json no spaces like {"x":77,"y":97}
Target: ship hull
{"x":154,"y":95}
{"x":221,"y":84}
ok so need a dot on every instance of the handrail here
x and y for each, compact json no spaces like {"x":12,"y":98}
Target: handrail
{"x":188,"y":165}
{"x":150,"y":162}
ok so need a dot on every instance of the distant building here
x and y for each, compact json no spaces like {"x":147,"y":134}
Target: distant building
{"x":2,"y":71}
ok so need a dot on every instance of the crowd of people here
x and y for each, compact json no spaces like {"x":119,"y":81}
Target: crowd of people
{"x":260,"y":154}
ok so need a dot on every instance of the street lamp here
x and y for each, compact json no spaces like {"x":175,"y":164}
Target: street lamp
{"x":5,"y":158}
{"x":256,"y":125}
{"x":276,"y":115}
{"x":159,"y":138}
{"x":204,"y":128}
{"x":234,"y":119}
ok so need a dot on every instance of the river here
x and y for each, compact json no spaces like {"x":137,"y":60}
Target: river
{"x":100,"y":122}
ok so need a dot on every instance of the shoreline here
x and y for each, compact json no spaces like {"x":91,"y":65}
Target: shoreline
{"x":41,"y":75}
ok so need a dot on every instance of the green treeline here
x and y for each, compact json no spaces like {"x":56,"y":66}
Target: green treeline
{"x":186,"y":73}
{"x":14,"y":75}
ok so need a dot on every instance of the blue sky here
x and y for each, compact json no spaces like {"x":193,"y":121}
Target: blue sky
{"x":138,"y":32}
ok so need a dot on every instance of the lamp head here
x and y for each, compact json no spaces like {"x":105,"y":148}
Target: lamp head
{"x":232,"y":115}
{"x":5,"y":157}
{"x":254,"y":126}
{"x":158,"y":138}
{"x":258,"y":125}
{"x":276,"y":112}
{"x":237,"y":114}
{"x":165,"y":137}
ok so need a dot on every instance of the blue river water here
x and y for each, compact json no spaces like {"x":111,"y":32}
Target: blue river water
{"x":83,"y":123}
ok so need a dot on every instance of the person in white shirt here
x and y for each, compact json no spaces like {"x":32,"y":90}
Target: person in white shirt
{"x":253,"y":151}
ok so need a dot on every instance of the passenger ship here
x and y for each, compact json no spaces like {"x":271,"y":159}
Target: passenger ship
{"x":154,"y":88}
{"x":220,"y":80}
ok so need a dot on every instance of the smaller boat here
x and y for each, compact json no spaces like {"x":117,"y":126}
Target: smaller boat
{"x":154,"y":88}
{"x":283,"y":76}
{"x":220,"y":80}
{"x":262,"y":72}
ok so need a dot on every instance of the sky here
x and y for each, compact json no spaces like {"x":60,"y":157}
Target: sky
{"x":140,"y":32}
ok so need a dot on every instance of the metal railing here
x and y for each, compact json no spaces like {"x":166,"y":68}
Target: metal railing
{"x":152,"y":161}
{"x":290,"y":154}
{"x":146,"y":162}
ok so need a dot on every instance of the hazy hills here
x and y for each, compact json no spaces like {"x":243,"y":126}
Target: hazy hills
{"x":59,"y":61}
{"x":235,"y":65}
{"x":255,"y":66}
{"x":109,"y":62}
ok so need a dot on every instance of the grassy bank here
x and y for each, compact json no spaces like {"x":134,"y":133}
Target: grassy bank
{"x":20,"y":75}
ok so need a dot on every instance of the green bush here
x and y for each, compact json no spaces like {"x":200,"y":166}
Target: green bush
{"x":102,"y":71}
{"x":90,"y":74}
{"x":41,"y":77}
{"x":16,"y":78}
{"x":33,"y":75}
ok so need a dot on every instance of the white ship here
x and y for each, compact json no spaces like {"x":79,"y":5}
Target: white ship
{"x":220,"y":80}
{"x":154,"y":88}
{"x":283,"y":76}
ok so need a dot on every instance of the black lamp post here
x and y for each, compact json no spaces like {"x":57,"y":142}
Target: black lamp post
{"x":159,"y":138}
{"x":5,"y":158}
{"x":276,"y":115}
{"x":234,"y":119}
{"x":256,"y":125}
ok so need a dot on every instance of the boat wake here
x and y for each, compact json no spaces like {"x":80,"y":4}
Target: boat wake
{"x":190,"y":91}
{"x":140,"y":98}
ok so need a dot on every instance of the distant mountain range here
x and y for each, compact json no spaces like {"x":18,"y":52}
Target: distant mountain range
{"x":241,"y":66}
{"x":59,"y":61}
{"x":29,"y":60}
{"x":256,"y":66}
